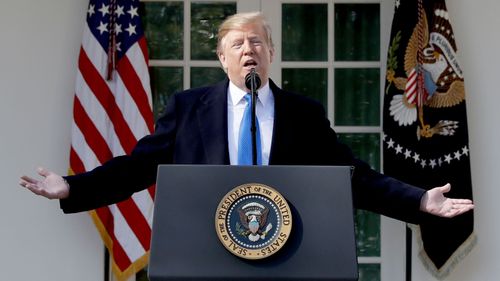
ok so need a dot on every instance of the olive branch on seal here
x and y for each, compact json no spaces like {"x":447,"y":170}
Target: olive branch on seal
{"x":240,"y":230}
{"x":392,"y":59}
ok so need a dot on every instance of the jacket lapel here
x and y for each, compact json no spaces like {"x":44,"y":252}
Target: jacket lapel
{"x":281,"y":132}
{"x":212,"y":122}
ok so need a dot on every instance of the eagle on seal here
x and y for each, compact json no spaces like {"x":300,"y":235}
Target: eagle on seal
{"x":253,"y":217}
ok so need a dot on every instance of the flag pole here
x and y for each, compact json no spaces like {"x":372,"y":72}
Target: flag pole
{"x":408,"y":253}
{"x":106,"y":264}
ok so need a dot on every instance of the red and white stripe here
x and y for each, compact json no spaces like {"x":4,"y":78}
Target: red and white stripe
{"x":411,"y":87}
{"x":109,"y":118}
{"x":415,"y":90}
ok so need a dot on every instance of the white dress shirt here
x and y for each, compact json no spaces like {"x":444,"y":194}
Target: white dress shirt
{"x":264,"y":109}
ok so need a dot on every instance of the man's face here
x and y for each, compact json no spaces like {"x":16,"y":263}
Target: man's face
{"x":244,"y":49}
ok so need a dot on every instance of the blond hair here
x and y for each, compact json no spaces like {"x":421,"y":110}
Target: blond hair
{"x":240,"y":20}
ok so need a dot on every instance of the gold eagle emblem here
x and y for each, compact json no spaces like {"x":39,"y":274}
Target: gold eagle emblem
{"x":433,"y":79}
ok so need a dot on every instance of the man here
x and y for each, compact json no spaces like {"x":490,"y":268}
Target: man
{"x":201,"y":126}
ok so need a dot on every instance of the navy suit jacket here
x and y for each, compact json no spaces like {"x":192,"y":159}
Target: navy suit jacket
{"x":193,"y":130}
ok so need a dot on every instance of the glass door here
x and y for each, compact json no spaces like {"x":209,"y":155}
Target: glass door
{"x":334,"y":51}
{"x":330,"y":50}
{"x":182,"y":39}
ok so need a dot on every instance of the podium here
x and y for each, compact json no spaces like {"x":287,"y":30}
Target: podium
{"x":185,"y":245}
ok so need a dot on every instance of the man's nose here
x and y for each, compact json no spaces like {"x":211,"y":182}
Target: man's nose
{"x":247,"y":48}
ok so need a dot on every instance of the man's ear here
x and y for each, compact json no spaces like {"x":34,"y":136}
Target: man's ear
{"x":222,"y":60}
{"x":271,"y":54}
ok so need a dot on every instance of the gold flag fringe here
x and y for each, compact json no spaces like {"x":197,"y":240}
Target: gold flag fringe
{"x":133,"y":268}
{"x":453,"y":260}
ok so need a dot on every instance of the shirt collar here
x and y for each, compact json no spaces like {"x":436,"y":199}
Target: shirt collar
{"x":236,"y":94}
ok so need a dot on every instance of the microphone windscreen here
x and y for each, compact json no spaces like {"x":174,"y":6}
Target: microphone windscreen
{"x":252,"y":76}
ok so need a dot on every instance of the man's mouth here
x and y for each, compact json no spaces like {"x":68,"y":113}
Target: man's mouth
{"x":250,"y":63}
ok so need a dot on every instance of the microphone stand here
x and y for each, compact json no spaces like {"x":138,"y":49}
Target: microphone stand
{"x":253,"y":128}
{"x":254,"y":84}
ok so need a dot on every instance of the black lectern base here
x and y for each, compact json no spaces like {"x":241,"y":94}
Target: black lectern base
{"x":185,"y":245}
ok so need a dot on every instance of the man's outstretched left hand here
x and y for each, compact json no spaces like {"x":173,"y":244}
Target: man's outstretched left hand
{"x":434,"y":202}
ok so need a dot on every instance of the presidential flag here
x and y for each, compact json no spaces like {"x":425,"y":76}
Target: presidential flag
{"x":425,"y":123}
{"x":112,"y":110}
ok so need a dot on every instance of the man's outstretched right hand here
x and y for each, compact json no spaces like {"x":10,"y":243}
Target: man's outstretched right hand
{"x":52,"y":186}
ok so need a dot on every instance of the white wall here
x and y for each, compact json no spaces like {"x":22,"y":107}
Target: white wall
{"x":39,"y":46}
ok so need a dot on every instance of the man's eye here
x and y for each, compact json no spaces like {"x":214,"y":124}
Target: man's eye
{"x":256,"y":41}
{"x":237,"y":45}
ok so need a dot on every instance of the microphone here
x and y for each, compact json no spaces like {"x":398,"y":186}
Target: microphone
{"x":252,"y":80}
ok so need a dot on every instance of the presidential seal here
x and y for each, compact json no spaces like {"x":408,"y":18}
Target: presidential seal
{"x":253,"y":221}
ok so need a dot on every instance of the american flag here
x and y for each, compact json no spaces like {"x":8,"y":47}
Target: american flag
{"x":112,"y":110}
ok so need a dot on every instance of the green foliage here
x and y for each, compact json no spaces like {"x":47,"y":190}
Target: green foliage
{"x":164,"y":29}
{"x":205,"y":21}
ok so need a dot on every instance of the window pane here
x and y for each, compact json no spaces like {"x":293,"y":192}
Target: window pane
{"x":357,"y":97}
{"x":367,"y":148}
{"x":304,"y":32}
{"x":308,"y":82}
{"x":203,"y":76}
{"x":367,"y":229}
{"x":163,"y":27}
{"x":357,"y":32}
{"x":369,"y":272}
{"x":205,"y":21}
{"x":165,"y":81}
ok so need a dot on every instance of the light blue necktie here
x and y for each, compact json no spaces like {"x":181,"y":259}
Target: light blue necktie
{"x":245,"y":137}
